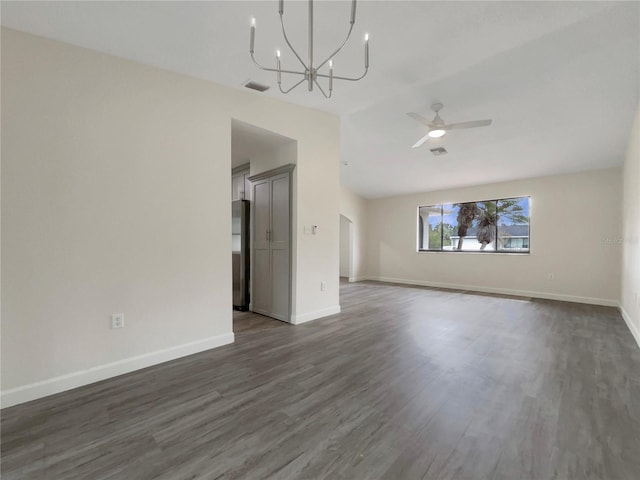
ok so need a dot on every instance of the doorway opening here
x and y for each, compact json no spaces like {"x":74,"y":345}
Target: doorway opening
{"x":255,"y":152}
{"x":346,"y":249}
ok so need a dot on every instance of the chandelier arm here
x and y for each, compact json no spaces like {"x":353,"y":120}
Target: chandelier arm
{"x":338,"y":49}
{"x":275,"y":69}
{"x":286,"y":39}
{"x":256,"y":62}
{"x":335,"y":77}
{"x":320,"y":88}
{"x":288,"y":90}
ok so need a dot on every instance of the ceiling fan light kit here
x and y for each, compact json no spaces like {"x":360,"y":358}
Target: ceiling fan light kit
{"x":310,"y":72}
{"x":437,"y":128}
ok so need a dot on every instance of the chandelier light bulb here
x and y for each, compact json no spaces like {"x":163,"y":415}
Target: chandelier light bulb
{"x":252,"y":40}
{"x":330,"y":76}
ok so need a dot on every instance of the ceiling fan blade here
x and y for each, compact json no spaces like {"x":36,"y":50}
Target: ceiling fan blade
{"x":419,"y":118}
{"x":421,"y":141}
{"x":473,"y":124}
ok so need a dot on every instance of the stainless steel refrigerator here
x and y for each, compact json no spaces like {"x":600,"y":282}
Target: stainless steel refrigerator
{"x":240,"y":247}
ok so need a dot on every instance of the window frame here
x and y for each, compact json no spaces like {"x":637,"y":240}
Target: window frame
{"x":425,"y":225}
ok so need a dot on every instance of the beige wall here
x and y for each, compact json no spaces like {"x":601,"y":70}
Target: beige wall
{"x":115,"y":198}
{"x":354,"y":207}
{"x":274,"y":158}
{"x":630,"y":294}
{"x":575,"y":221}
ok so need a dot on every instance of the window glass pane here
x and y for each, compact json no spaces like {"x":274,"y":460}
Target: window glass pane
{"x":485,"y":226}
{"x":431,"y":221}
{"x":449,"y":222}
{"x":448,"y":226}
{"x":462,"y":216}
{"x":473,"y":226}
{"x":513,"y":224}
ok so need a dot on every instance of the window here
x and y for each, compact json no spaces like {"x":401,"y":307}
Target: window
{"x":430,"y":236}
{"x":499,"y":226}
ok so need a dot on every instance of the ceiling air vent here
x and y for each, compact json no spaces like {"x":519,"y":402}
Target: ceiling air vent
{"x":256,"y":86}
{"x":439,"y":151}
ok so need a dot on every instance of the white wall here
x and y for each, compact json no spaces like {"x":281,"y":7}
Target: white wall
{"x":115,"y":198}
{"x":354,"y":207}
{"x":274,"y":158}
{"x":575,"y":222}
{"x":345,"y":247}
{"x":630,"y":291}
{"x":315,"y":201}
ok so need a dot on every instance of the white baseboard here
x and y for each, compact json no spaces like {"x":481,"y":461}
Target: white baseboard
{"x":307,"y":317}
{"x":627,"y":319}
{"x":62,"y":383}
{"x":357,"y":279}
{"x":502,"y":291}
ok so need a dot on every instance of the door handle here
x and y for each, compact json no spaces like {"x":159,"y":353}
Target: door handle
{"x":268,"y":235}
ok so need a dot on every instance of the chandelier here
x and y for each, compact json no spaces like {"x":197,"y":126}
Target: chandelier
{"x":310,"y":72}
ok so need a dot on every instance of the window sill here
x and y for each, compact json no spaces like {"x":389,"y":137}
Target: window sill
{"x":475,"y":252}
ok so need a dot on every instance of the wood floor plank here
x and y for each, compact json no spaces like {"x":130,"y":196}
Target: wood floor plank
{"x":405,"y":383}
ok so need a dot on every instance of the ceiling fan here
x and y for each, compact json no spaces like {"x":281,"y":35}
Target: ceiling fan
{"x":437,"y":127}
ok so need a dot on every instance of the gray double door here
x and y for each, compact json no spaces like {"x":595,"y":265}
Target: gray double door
{"x":271,"y":244}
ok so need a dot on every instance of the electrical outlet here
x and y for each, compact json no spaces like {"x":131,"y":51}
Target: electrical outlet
{"x":117,"y":320}
{"x":323,"y":286}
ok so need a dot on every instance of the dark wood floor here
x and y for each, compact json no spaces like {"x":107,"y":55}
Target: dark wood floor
{"x":249,"y":322}
{"x":406,"y":383}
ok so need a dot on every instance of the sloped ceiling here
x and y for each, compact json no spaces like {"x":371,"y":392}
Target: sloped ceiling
{"x":559,"y":79}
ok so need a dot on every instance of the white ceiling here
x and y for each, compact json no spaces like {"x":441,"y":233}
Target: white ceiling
{"x":559,"y":79}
